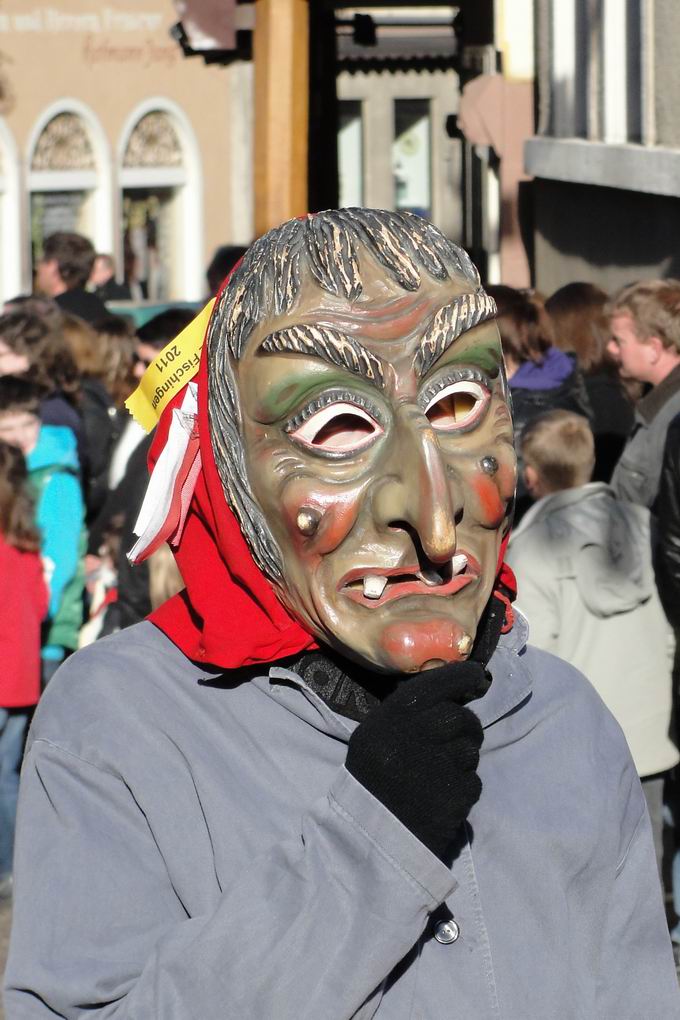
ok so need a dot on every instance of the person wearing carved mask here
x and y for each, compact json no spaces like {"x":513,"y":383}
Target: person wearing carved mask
{"x":329,"y":778}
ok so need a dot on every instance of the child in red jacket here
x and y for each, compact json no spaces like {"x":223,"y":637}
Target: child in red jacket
{"x":23,"y":605}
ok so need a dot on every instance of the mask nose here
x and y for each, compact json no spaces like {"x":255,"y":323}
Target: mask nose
{"x":415,"y":494}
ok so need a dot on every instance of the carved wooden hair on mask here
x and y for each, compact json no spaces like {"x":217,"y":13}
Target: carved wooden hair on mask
{"x":268,"y":282}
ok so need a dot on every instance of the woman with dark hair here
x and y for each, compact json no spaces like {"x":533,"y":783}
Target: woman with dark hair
{"x":580,"y":323}
{"x":116,"y":342}
{"x":34,"y":346}
{"x":541,"y":376}
{"x":98,"y":362}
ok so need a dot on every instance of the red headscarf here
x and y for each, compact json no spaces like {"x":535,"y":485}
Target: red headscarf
{"x":229,"y":614}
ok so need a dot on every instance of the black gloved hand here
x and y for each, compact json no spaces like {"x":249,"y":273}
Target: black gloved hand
{"x":417,"y":752}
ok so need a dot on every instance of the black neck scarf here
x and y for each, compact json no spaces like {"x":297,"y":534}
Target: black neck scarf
{"x":353,"y":691}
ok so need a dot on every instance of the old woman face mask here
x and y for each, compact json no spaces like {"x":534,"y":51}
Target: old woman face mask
{"x":361,"y":428}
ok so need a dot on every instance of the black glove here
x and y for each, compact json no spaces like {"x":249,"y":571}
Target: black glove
{"x":418,"y":751}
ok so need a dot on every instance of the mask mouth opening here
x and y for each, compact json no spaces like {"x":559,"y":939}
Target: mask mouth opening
{"x":373,"y":586}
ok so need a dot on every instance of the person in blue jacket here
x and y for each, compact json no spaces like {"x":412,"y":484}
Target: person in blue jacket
{"x":53,"y":470}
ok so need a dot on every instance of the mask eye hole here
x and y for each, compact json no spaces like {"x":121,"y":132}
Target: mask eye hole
{"x":458,"y":406}
{"x":338,"y":428}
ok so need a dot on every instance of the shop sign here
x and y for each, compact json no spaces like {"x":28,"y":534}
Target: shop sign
{"x":99,"y":20}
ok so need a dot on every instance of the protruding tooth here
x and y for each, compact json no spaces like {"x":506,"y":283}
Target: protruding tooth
{"x":464,"y":645}
{"x":374,"y":586}
{"x":431,"y":578}
{"x":458,"y":563}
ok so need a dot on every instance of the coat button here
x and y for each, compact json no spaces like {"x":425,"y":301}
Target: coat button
{"x":446,"y":932}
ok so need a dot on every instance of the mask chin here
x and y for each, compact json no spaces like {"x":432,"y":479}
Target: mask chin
{"x":413,"y":648}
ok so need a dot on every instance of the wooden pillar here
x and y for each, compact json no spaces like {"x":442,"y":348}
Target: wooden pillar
{"x":322,"y":160}
{"x":281,"y":51}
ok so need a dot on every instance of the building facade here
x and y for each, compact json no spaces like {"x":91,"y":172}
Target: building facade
{"x":105,"y":129}
{"x":394,"y":99}
{"x":108,"y":128}
{"x":606,"y":152}
{"x":496,"y":117}
{"x":433,"y":116}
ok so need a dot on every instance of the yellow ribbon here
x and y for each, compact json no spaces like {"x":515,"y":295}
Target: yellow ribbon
{"x":169,"y":372}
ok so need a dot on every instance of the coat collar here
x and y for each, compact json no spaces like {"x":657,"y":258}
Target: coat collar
{"x":512,"y":684}
{"x":557,"y":501}
{"x":650,"y":405}
{"x":512,"y":679}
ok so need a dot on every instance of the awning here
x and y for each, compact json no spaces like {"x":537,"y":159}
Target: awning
{"x":208,"y":25}
{"x":404,"y":45}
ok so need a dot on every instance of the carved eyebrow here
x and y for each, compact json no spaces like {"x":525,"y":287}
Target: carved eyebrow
{"x":449,"y":323}
{"x":330,"y":345}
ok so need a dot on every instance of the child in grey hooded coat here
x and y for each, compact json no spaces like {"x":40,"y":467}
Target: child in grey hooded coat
{"x":585,"y":580}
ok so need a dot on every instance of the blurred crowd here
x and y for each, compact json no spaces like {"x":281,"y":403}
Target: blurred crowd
{"x":595,"y":385}
{"x":72,"y":479}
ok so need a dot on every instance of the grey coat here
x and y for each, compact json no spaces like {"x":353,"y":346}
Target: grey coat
{"x":636,"y":476}
{"x":583,"y":563}
{"x":192,"y":848}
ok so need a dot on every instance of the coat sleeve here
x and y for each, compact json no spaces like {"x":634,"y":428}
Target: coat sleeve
{"x":309,"y":930}
{"x":60,"y":519}
{"x":637,"y":974}
{"x":636,"y":476}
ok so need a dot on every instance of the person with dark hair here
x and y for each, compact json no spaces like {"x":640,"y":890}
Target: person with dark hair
{"x":133,"y":601}
{"x":63,"y":271}
{"x":645,"y":343}
{"x":40,"y":305}
{"x":155,"y":334}
{"x":581,"y":325}
{"x":328,"y":779}
{"x":116,"y":341}
{"x":541,"y":377}
{"x":577,"y":312}
{"x":34,"y":345}
{"x":23,"y":605}
{"x":151,"y":338}
{"x":129,"y":472}
{"x":50,"y":452}
{"x":103,"y":422}
{"x":14,"y":303}
{"x":103,"y":280}
{"x":221,"y":264}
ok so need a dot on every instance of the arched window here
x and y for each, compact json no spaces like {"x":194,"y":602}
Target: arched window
{"x":68,"y":179}
{"x":63,"y":144}
{"x":161,"y":207}
{"x":154,"y":143}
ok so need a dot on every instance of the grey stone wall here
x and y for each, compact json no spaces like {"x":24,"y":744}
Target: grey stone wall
{"x":606,"y":236}
{"x":667,"y":71}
